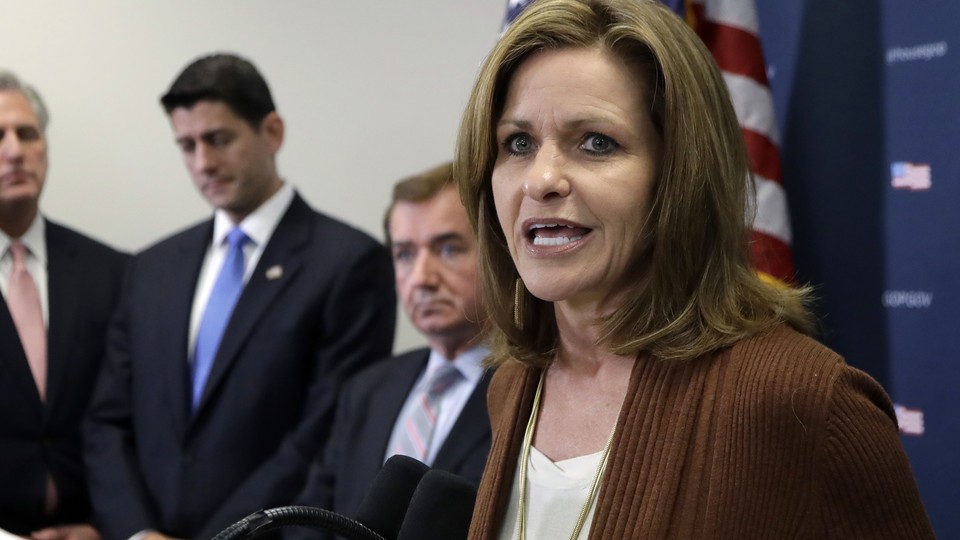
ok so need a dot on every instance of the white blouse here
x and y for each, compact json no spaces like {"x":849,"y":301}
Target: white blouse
{"x":555,"y":495}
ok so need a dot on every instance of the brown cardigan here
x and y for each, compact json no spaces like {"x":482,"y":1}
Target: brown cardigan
{"x":775,"y":437}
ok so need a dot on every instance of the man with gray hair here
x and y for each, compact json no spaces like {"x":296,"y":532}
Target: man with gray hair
{"x":58,"y":290}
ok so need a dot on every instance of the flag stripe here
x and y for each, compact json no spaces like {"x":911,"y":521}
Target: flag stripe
{"x":764,"y":155}
{"x":740,"y":14}
{"x":754,"y":106}
{"x":735,"y":50}
{"x":771,"y":256}
{"x":772,"y":213}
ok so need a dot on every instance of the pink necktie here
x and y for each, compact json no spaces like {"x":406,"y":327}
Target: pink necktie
{"x":417,"y":434}
{"x":23,"y":299}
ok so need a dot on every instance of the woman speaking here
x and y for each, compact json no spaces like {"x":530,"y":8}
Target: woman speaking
{"x":649,"y":384}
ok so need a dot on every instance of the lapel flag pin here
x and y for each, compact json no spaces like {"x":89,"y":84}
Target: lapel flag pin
{"x":274,"y":272}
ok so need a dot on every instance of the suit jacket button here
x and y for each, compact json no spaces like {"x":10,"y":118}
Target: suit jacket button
{"x":187,"y":460}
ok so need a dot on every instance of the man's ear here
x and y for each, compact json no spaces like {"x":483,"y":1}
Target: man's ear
{"x":273,"y":129}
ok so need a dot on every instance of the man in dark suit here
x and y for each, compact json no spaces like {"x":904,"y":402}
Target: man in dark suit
{"x":231,"y":337}
{"x":434,"y":256}
{"x":52,"y":333}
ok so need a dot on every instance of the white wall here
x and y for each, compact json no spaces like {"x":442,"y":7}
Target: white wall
{"x":370,"y":92}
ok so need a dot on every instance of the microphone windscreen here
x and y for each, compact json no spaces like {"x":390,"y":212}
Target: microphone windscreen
{"x":441,"y":508}
{"x":267,"y":521}
{"x":385,"y":504}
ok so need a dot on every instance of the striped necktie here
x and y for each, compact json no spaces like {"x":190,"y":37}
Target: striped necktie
{"x":417,"y":433}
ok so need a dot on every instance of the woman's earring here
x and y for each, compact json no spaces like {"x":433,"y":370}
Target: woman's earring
{"x":517,"y":304}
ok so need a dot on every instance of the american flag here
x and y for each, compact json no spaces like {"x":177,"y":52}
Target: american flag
{"x":911,"y":176}
{"x":909,"y":420}
{"x":730,"y":30}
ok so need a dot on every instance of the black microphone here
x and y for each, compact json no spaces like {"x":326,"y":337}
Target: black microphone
{"x":385,"y":504}
{"x":441,"y":508}
{"x":379,"y":517}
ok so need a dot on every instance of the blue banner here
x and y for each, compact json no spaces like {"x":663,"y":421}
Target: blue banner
{"x":866,"y":96}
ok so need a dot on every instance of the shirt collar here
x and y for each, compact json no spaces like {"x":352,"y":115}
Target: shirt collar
{"x":469,"y":363}
{"x":33,"y":239}
{"x":260,"y":224}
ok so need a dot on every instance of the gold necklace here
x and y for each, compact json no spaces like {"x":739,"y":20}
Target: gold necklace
{"x":525,"y":458}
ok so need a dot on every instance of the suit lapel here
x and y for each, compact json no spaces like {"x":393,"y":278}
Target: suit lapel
{"x":64,"y":284}
{"x":470,"y":429}
{"x":278,"y":266}
{"x":181,"y":287}
{"x":14,"y":361}
{"x":388,"y":398}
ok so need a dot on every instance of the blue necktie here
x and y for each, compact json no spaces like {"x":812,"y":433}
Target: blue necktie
{"x":220,"y":305}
